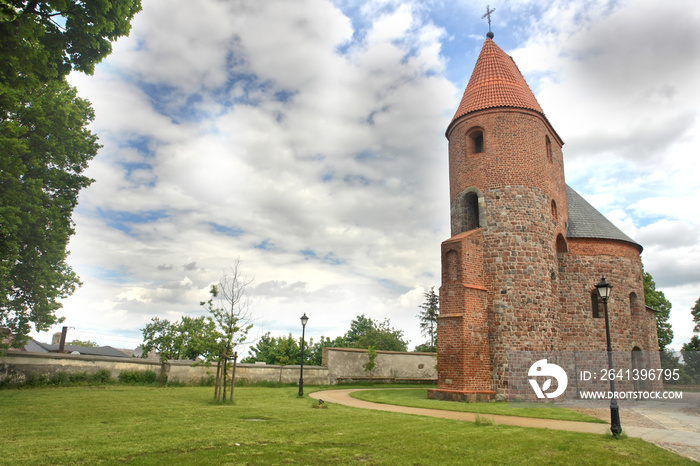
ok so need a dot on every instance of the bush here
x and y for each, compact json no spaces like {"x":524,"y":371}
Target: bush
{"x":59,"y":378}
{"x":77,"y":377}
{"x":138,"y":377}
{"x":103,"y":376}
{"x":37,"y":380}
{"x":207,"y":381}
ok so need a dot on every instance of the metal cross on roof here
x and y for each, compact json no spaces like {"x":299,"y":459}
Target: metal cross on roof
{"x":489,"y":10}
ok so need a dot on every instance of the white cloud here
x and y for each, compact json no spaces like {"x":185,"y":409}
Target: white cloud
{"x":306,"y":138}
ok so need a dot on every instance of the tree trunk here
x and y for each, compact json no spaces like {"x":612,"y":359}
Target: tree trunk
{"x":217,"y":383}
{"x":233,"y":374}
{"x":162,"y":376}
{"x":225,"y":369}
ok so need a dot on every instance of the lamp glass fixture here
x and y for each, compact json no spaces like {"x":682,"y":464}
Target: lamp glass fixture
{"x":604,"y":288}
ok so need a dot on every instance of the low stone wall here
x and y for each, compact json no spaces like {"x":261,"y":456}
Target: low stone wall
{"x":339,"y":365}
{"x":347,"y":364}
{"x":21,"y":365}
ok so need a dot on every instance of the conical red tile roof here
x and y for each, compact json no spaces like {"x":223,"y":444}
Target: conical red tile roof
{"x":496,"y":82}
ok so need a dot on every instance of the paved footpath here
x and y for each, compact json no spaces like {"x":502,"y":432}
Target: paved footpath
{"x":680,"y":433}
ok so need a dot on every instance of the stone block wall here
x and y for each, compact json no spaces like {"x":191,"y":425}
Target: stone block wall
{"x":587,"y":260}
{"x":340,"y":364}
{"x":21,"y":365}
{"x":346,"y":364}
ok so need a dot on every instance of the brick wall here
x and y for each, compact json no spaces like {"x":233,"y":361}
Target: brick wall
{"x":532,"y":287}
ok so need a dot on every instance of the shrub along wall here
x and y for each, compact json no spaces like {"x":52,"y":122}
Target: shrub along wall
{"x":340,"y":365}
{"x":16,"y":368}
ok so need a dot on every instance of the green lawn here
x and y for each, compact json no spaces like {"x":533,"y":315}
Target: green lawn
{"x":149,"y":425}
{"x":418,"y":398}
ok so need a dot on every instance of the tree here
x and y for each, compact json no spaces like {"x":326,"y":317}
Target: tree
{"x":189,"y":338}
{"x":45,"y":40}
{"x":45,"y":146}
{"x":159,"y":336}
{"x":428,"y":318}
{"x":365,"y":332}
{"x":287,"y":350}
{"x":425,"y":348}
{"x":657,"y":301}
{"x":84,"y":343}
{"x":691,"y":355}
{"x":315,"y":352}
{"x":233,"y":321}
{"x":695,"y":311}
{"x":44,"y":149}
{"x":275,"y":350}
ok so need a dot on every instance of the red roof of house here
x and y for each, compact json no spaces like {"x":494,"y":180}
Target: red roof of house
{"x":496,"y":82}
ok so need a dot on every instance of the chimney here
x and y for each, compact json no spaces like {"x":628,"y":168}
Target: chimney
{"x":62,"y":344}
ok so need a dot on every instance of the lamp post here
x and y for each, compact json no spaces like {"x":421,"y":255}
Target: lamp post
{"x":304,"y":320}
{"x":604,"y":289}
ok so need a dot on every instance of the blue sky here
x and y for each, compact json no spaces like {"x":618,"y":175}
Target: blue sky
{"x":307,"y":139}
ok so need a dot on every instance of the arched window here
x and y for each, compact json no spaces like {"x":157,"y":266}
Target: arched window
{"x":470,"y":212}
{"x":548,"y":145}
{"x":467,"y":211}
{"x":475,"y":140}
{"x":634,"y":305}
{"x":555,"y":214}
{"x":562,"y":247}
{"x":595,"y":305}
{"x":479,"y":143}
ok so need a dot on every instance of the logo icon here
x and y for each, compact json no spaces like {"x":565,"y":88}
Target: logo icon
{"x":542,"y":368}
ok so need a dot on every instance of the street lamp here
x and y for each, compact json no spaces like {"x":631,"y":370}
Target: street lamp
{"x":604,"y":289}
{"x":304,"y":320}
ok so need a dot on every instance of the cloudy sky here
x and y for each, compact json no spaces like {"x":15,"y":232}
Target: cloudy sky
{"x":307,"y":139}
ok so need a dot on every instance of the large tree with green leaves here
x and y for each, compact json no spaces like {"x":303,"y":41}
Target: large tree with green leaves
{"x":366,"y":332}
{"x":287,"y":350}
{"x":275,"y":350}
{"x":189,"y":338}
{"x":45,"y":146}
{"x":656,"y":300}
{"x":45,"y":40}
{"x":691,"y":355}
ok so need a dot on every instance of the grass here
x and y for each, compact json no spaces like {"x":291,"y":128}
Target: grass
{"x":149,"y":425}
{"x":418,"y":398}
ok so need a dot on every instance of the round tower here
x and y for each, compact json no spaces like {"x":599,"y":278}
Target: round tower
{"x":519,"y":272}
{"x":507,"y":193}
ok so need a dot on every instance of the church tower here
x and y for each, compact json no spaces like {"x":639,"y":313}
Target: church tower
{"x":502,"y":269}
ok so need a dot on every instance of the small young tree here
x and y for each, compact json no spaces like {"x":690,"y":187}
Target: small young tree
{"x":428,"y":318}
{"x":230,"y":310}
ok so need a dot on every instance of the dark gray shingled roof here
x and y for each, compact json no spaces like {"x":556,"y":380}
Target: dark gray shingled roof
{"x":586,"y":222}
{"x":37,"y":347}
